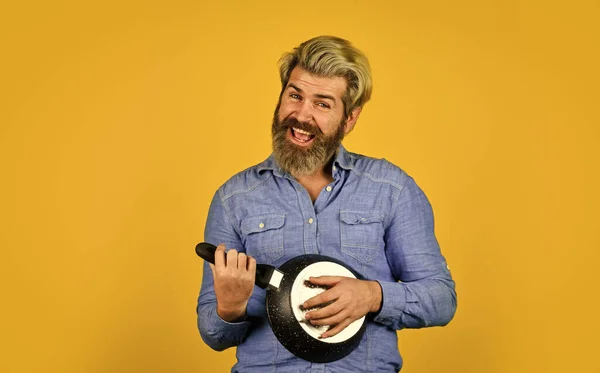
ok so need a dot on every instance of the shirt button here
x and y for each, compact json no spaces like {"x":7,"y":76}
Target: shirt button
{"x":310,"y":221}
{"x":261,"y":225}
{"x":328,"y":188}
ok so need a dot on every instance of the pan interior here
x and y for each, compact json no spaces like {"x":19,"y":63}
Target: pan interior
{"x":301,"y":292}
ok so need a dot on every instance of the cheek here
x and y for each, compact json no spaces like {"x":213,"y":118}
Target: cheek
{"x":328,"y":125}
{"x":284,"y":111}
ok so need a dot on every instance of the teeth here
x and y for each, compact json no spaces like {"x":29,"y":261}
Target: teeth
{"x":301,"y":131}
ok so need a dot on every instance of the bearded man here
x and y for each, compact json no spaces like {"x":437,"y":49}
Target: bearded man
{"x":312,"y":196}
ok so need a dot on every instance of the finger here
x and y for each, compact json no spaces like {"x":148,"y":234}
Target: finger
{"x":325,"y":297}
{"x":326,"y":280}
{"x":220,"y":257}
{"x":232,"y":255}
{"x":251,"y":265}
{"x":336,"y":329}
{"x":241,"y":261}
{"x":323,"y":316}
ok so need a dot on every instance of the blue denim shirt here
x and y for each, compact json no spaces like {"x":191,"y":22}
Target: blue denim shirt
{"x":373,"y":217}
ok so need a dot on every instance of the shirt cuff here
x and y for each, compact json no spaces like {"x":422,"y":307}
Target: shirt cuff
{"x":220,"y":328}
{"x":394,"y":301}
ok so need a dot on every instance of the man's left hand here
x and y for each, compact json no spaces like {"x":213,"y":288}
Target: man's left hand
{"x":349,"y":298}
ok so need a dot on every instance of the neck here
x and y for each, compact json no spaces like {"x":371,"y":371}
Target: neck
{"x":316,"y":181}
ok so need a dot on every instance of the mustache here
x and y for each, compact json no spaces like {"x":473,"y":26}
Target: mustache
{"x":293,"y":122}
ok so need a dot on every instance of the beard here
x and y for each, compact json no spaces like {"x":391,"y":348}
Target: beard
{"x":298,"y":160}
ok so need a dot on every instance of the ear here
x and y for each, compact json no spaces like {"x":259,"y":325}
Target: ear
{"x":351,"y":120}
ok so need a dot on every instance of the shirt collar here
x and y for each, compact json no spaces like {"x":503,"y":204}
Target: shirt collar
{"x":269,"y":164}
{"x":343,"y":159}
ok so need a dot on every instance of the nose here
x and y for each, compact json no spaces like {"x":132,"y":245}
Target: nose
{"x":305,"y":112}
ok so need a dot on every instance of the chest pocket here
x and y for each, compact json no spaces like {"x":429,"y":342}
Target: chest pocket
{"x":361,"y":234}
{"x":264,"y":237}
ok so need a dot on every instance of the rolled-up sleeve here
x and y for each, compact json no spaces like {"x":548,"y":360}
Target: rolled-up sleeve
{"x":424,"y":294}
{"x":216,"y":332}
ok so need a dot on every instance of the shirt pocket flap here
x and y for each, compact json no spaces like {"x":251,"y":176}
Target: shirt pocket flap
{"x":262,"y":223}
{"x":357,"y":217}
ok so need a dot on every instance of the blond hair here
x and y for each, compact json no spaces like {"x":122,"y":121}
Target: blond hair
{"x":330,"y":56}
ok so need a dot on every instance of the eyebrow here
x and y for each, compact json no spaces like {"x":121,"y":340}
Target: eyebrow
{"x":318,"y":95}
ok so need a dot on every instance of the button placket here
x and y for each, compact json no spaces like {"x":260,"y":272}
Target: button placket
{"x":307,"y":210}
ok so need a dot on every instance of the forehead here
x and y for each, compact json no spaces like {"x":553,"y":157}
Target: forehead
{"x":314,"y":84}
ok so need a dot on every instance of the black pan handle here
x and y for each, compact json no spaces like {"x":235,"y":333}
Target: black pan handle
{"x":206,"y":251}
{"x":264,"y":272}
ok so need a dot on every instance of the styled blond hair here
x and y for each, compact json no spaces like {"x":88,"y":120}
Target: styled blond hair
{"x":330,"y":56}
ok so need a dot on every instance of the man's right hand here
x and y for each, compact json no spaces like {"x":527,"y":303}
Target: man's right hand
{"x":233,"y":275}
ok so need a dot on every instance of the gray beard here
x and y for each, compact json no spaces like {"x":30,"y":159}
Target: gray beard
{"x":299,"y":161}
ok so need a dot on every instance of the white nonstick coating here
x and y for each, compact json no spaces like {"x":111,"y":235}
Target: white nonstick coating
{"x":300,"y":293}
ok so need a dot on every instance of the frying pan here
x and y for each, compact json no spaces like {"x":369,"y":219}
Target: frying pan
{"x":287,"y":288}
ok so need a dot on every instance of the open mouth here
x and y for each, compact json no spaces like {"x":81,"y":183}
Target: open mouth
{"x":301,"y":136}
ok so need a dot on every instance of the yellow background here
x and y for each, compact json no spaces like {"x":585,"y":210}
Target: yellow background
{"x":118,"y":120}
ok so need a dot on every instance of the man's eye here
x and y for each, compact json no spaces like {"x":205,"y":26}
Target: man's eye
{"x":295,"y":96}
{"x":323,"y":105}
